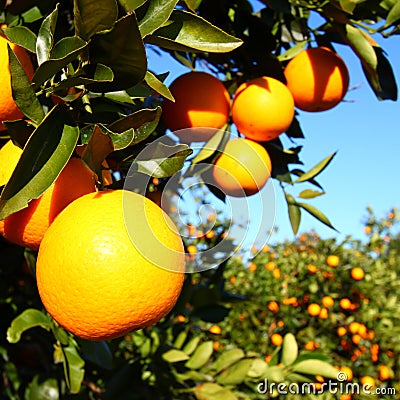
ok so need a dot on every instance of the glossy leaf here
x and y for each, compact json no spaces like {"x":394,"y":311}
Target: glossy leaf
{"x":293,"y":51}
{"x":316,"y":170}
{"x":191,"y":345}
{"x":45,"y":39}
{"x":315,"y":367}
{"x":294,"y":213}
{"x":73,"y":367}
{"x":43,"y":158}
{"x":310,"y":194}
{"x":158,"y":86}
{"x":180,"y":340}
{"x":96,"y":352}
{"x":290,"y":349}
{"x":393,"y":15}
{"x":39,"y":390}
{"x":187,"y":32}
{"x":157,"y":14}
{"x":173,"y":356}
{"x":22,"y":36}
{"x":236,"y":373}
{"x":226,"y":359}
{"x":93,"y":16}
{"x":193,"y":4}
{"x":123,"y":51}
{"x":131,"y":5}
{"x":22,"y":92}
{"x":28,"y":319}
{"x":200,"y":356}
{"x":212,"y":391}
{"x":316,"y":213}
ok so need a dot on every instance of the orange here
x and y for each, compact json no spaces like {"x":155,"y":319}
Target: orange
{"x":273,"y":306}
{"x":357,"y":273}
{"x":192,"y":249}
{"x":384,"y":373}
{"x":252,"y":267}
{"x":312,"y":269}
{"x":341,"y":331}
{"x":215,"y":329}
{"x":9,"y":157}
{"x":112,"y":262}
{"x":314,"y":309}
{"x":262,"y":108}
{"x":269,"y":266}
{"x":332,"y":260}
{"x":310,"y":346}
{"x":353,"y":327}
{"x":201,"y":100}
{"x":242,"y":169}
{"x":8,"y":109}
{"x":28,"y":226}
{"x":327,"y":301}
{"x":356,"y":339}
{"x":368,"y":382}
{"x":317,"y":78}
{"x":276,"y":273}
{"x":323,"y":313}
{"x":345,"y":303}
{"x":276,"y":339}
{"x":349,"y":373}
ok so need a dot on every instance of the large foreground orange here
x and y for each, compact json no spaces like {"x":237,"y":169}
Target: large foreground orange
{"x":262,"y":108}
{"x":318,"y":79}
{"x":242,"y":169}
{"x":28,"y":226}
{"x":93,"y":279}
{"x":201,"y":101}
{"x":8,"y":109}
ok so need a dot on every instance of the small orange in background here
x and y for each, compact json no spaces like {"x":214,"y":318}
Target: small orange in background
{"x":348,"y":372}
{"x":276,"y":339}
{"x":273,"y":306}
{"x":357,"y":273}
{"x":345,"y":303}
{"x":314,"y":309}
{"x":384,"y":373}
{"x":312,"y":269}
{"x":356,"y":339}
{"x":192,"y":249}
{"x":269,"y":266}
{"x":353,"y":327}
{"x":262,"y":109}
{"x":252,"y":267}
{"x":181,"y":318}
{"x":276,"y":273}
{"x":317,"y":78}
{"x":332,"y":260}
{"x":368,"y":382}
{"x":310,"y":346}
{"x":215,"y":329}
{"x":341,"y":331}
{"x":367,"y":230}
{"x":323,"y":313}
{"x":242,"y":169}
{"x":327,"y":301}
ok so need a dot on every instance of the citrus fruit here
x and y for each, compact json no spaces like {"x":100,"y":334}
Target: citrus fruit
{"x":348,"y":373}
{"x":201,"y":101}
{"x":8,"y":109}
{"x":357,"y":273}
{"x":345,"y":303}
{"x":27,"y":226}
{"x":368,"y":382}
{"x":323,"y":313}
{"x":262,"y":108}
{"x":314,"y":309}
{"x":102,"y":265}
{"x":332,"y":260}
{"x":215,"y":329}
{"x":353,"y":327}
{"x":9,"y":156}
{"x":341,"y":331}
{"x":327,"y":301}
{"x":317,"y":78}
{"x":242,"y":169}
{"x":276,"y":339}
{"x":384,"y":373}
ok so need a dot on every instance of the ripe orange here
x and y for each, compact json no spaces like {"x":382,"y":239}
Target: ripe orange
{"x":201,"y":100}
{"x":353,"y":327}
{"x":9,"y":156}
{"x":242,"y":169}
{"x":262,"y":108}
{"x":323,"y":313}
{"x":332,"y":260}
{"x":111,"y":262}
{"x":312,"y":269}
{"x":368,"y":382}
{"x":356,"y":339}
{"x":314,"y":309}
{"x":276,"y":339}
{"x":341,"y":331}
{"x":273,"y":306}
{"x":28,"y":226}
{"x":349,"y":373}
{"x":345,"y":303}
{"x":327,"y":301}
{"x":192,"y":249}
{"x":8,"y":109}
{"x":317,"y":78}
{"x":384,"y":373}
{"x":215,"y":329}
{"x":357,"y":273}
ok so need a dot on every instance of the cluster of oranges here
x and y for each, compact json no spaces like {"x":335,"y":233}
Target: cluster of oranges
{"x":263,"y":108}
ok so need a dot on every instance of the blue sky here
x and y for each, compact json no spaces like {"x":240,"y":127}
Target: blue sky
{"x":366,"y":134}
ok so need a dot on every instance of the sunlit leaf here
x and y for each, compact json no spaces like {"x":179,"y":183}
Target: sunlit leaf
{"x":315,"y":367}
{"x":45,"y":39}
{"x":236,"y":373}
{"x":310,"y":194}
{"x":213,"y":391}
{"x":157,"y":14}
{"x":158,"y":86}
{"x":22,"y":36}
{"x":290,"y":349}
{"x":316,"y":213}
{"x":316,"y":170}
{"x":73,"y":367}
{"x":393,"y":15}
{"x":201,"y":355}
{"x":173,"y":356}
{"x":131,"y":5}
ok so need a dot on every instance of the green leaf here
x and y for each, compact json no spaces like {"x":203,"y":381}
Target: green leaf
{"x":93,"y":74}
{"x":258,"y":368}
{"x":173,"y":356}
{"x":97,"y":352}
{"x":156,"y":15}
{"x":236,"y":373}
{"x":47,"y":389}
{"x":43,"y":158}
{"x":73,"y":367}
{"x":191,"y":346}
{"x":93,"y":16}
{"x":22,"y":36}
{"x":201,"y":355}
{"x":310,"y":194}
{"x":294,"y":213}
{"x":316,"y":170}
{"x":317,"y":214}
{"x":131,"y":5}
{"x":160,"y":160}
{"x":65,"y":51}
{"x":212,"y":391}
{"x":123,"y":51}
{"x":188,"y":32}
{"x":28,"y":319}
{"x":293,"y":51}
{"x":275,"y":374}
{"x":45,"y":40}
{"x":226,"y":359}
{"x":290,"y":350}
{"x":315,"y":367}
{"x":22,"y":92}
{"x":193,"y":5}
{"x":393,"y":15}
{"x":158,"y":86}
{"x":348,"y":5}
{"x":299,"y":172}
{"x":180,"y":340}
{"x":214,"y":145}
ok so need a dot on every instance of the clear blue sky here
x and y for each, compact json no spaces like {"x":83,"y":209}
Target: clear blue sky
{"x":366,"y":134}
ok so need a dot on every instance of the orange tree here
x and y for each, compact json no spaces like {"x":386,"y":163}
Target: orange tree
{"x":91,"y":96}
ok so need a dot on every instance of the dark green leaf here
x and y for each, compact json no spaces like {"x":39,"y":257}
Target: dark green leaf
{"x":212,"y":391}
{"x":317,"y":214}
{"x":201,"y":355}
{"x":93,"y":74}
{"x":173,"y":356}
{"x":290,"y":349}
{"x":22,"y":36}
{"x":226,"y":359}
{"x":120,"y":140}
{"x":28,"y":319}
{"x":123,"y":51}
{"x":64,"y":52}
{"x":45,"y":155}
{"x":97,"y":352}
{"x":131,"y":5}
{"x":193,"y":4}
{"x":93,"y":16}
{"x":316,"y":170}
{"x":294,"y":213}
{"x":73,"y":367}
{"x":393,"y":15}
{"x":236,"y":373}
{"x":315,"y":367}
{"x":45,"y":40}
{"x":214,"y":313}
{"x":187,"y":32}
{"x":156,"y":15}
{"x":20,"y":131}
{"x":191,"y":345}
{"x":294,"y":130}
{"x":22,"y":92}
{"x":158,"y":86}
{"x":310,"y":194}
